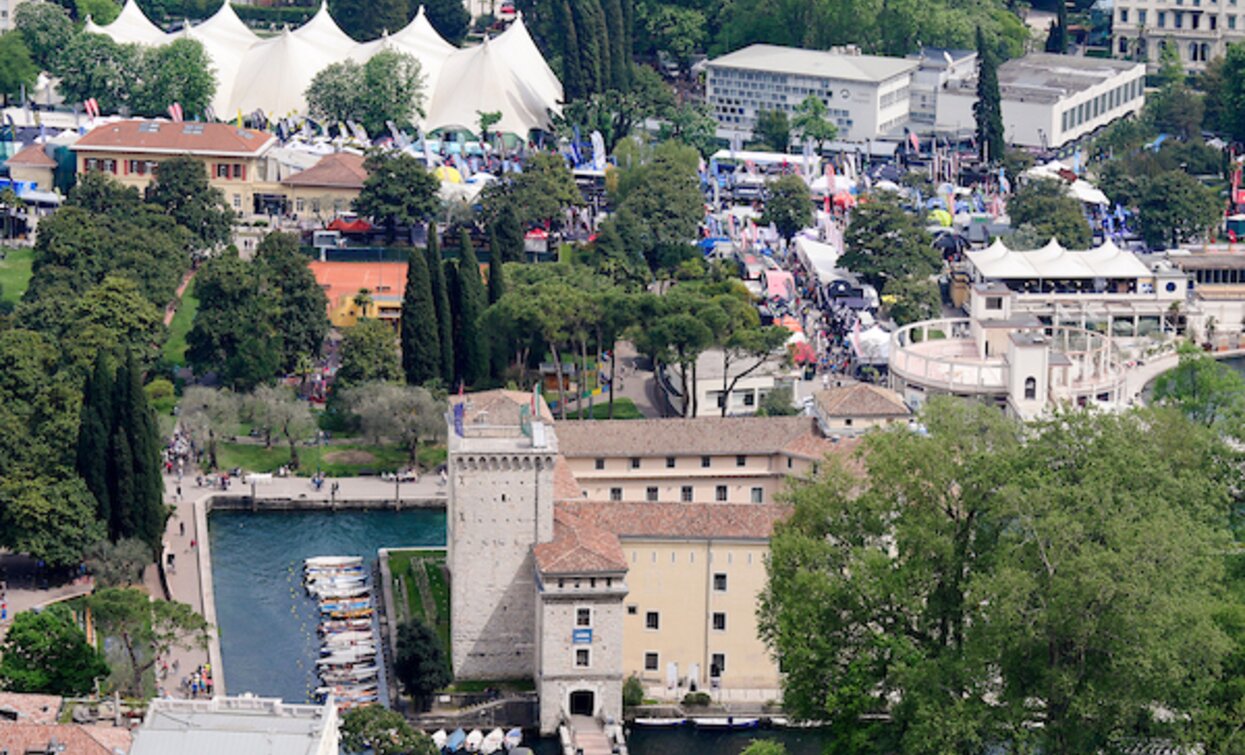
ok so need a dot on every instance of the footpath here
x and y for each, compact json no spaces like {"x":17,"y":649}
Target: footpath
{"x":186,"y":539}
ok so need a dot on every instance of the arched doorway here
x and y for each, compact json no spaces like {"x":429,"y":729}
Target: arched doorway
{"x":583,"y":703}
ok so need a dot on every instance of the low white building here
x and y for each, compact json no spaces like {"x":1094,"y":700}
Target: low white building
{"x":937,"y":67}
{"x":867,"y":96}
{"x":712,"y":379}
{"x":246,"y":724}
{"x":1050,"y":100}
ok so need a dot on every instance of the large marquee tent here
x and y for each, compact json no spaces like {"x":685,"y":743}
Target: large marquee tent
{"x":506,"y":74}
{"x":1054,"y":262}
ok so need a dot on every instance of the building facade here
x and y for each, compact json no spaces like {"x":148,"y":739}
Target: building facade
{"x":1199,"y":29}
{"x":855,"y":408}
{"x":131,"y":152}
{"x":8,"y":11}
{"x":866,"y":96}
{"x":937,"y":68}
{"x":1050,"y":100}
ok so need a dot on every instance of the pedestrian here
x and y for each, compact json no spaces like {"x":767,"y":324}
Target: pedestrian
{"x":192,"y":543}
{"x":179,"y":491}
{"x":181,"y":529}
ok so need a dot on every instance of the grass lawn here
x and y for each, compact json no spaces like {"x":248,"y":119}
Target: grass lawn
{"x":624,"y":408}
{"x":15,"y":273}
{"x":335,"y":461}
{"x":405,"y":566}
{"x":174,"y":350}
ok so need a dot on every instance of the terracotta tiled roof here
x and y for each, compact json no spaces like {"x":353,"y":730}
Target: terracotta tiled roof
{"x":30,"y":708}
{"x":164,"y":137}
{"x":70,"y":739}
{"x":565,"y":486}
{"x":666,"y":437}
{"x":817,"y":447}
{"x":341,"y":170}
{"x":32,"y":155}
{"x":695,"y":521}
{"x":578,"y":547}
{"x":501,"y":407}
{"x":860,"y":400}
{"x":115,"y":738}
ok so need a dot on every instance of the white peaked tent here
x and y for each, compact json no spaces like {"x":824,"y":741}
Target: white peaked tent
{"x":274,"y":76}
{"x":132,"y":27}
{"x":419,"y":40}
{"x":225,"y":40}
{"x":479,"y":80}
{"x":323,"y":33}
{"x":518,"y":49}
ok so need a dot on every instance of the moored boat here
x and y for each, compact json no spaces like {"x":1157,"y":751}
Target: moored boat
{"x":728,"y":722}
{"x":438,"y":738}
{"x":472,"y":743}
{"x":659,"y":722}
{"x":455,"y":741}
{"x":513,"y":739}
{"x":492,"y":741}
{"x":332,"y":561}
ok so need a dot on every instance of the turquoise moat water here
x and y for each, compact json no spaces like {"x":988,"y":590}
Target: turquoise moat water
{"x":267,"y":621}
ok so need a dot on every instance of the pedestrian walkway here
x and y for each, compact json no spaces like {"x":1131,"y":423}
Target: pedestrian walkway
{"x":186,"y":537}
{"x":589,"y":736}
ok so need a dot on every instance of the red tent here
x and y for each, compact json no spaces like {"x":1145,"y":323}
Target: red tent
{"x":358,"y":225}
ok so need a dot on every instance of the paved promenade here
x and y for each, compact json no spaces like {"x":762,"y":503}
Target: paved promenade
{"x":189,"y":580}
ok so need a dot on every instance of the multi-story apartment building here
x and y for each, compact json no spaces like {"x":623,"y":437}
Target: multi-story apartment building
{"x":866,"y":95}
{"x":8,"y":8}
{"x":1200,"y":29}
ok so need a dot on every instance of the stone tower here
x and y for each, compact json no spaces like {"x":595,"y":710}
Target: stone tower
{"x":500,"y":470}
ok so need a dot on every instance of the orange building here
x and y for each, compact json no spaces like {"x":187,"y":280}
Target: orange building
{"x":361,"y":289}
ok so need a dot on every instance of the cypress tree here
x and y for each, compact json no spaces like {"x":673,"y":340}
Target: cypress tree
{"x":94,"y":430}
{"x":498,"y":342}
{"x":1061,"y":41}
{"x":149,"y":512}
{"x":421,"y":344}
{"x":496,"y":276}
{"x":509,"y":234}
{"x":455,"y":290}
{"x":988,"y":108}
{"x":121,"y":485}
{"x":572,"y":65}
{"x":472,"y":301}
{"x":628,"y":26}
{"x":620,"y":70}
{"x":441,"y":302}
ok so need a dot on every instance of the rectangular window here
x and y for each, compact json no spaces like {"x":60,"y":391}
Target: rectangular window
{"x":650,"y":662}
{"x":994,"y":302}
{"x":719,"y":493}
{"x":615,"y":494}
{"x":1141,"y":16}
{"x":719,"y":582}
{"x":583,"y":658}
{"x":1162,"y":19}
{"x":237,"y":170}
{"x":704,"y":462}
{"x":758,"y":495}
{"x":717,"y":665}
{"x":669,"y":462}
{"x":750,"y":398}
{"x":633,"y":610}
{"x":1123,"y":15}
{"x":1214,"y":22}
{"x":685,"y":494}
{"x":652,"y":620}
{"x":635,"y":462}
{"x":719,"y":622}
{"x":222,"y":170}
{"x":1231,"y":22}
{"x":583,"y":617}
{"x":599,"y":464}
{"x":650,"y":494}
{"x":110,"y":166}
{"x":237,"y":201}
{"x":741,"y":461}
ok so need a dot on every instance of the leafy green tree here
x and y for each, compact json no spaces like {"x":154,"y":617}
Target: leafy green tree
{"x":206,"y":415}
{"x":1053,"y":213}
{"x":1229,"y":94}
{"x":102,"y":12}
{"x":147,"y":629}
{"x":113,"y":316}
{"x":181,"y":187}
{"x":398,"y":191}
{"x":1171,"y":70}
{"x":812,"y":120}
{"x":299,"y":301}
{"x":542,"y":191}
{"x":449,"y":18}
{"x":773,"y":128}
{"x":765,"y":747}
{"x":421,"y":343}
{"x":383,"y":732}
{"x":366,"y":20}
{"x":633,"y":691}
{"x":368,"y":353}
{"x":420,"y":662}
{"x":406,"y":414}
{"x":46,"y":28}
{"x":659,"y":205}
{"x":916,"y":299}
{"x":50,"y":519}
{"x":235,"y":330}
{"x":118,"y":564}
{"x":46,"y":653}
{"x":441,"y":301}
{"x":1175,"y":208}
{"x":281,"y":413}
{"x":506,"y":229}
{"x":678,"y":340}
{"x":1177,"y":110}
{"x":988,"y":109}
{"x":1205,"y":390}
{"x":388,"y":87}
{"x":92,"y":65}
{"x":691,"y":124}
{"x":38,"y":407}
{"x":778,"y":403}
{"x":884,"y":243}
{"x":17,"y":69}
{"x":180,"y":72}
{"x":676,"y":31}
{"x":789,"y":206}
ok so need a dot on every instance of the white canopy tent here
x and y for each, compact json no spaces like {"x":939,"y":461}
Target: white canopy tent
{"x":131,"y":26}
{"x":1053,"y":262}
{"x":507,"y":74}
{"x":819,"y":259}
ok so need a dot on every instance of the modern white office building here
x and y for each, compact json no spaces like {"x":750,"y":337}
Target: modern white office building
{"x":1200,"y":29}
{"x":1050,"y":100}
{"x":936,"y":69}
{"x":867,"y":96}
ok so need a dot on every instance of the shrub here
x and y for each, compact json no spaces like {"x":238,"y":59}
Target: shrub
{"x":697,"y":699}
{"x":632,"y":692}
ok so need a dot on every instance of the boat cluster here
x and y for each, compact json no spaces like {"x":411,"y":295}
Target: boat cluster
{"x":347,"y":663}
{"x":478,"y":741}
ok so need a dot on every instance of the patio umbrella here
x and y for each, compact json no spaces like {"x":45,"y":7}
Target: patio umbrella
{"x":950,"y":243}
{"x":448,"y":173}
